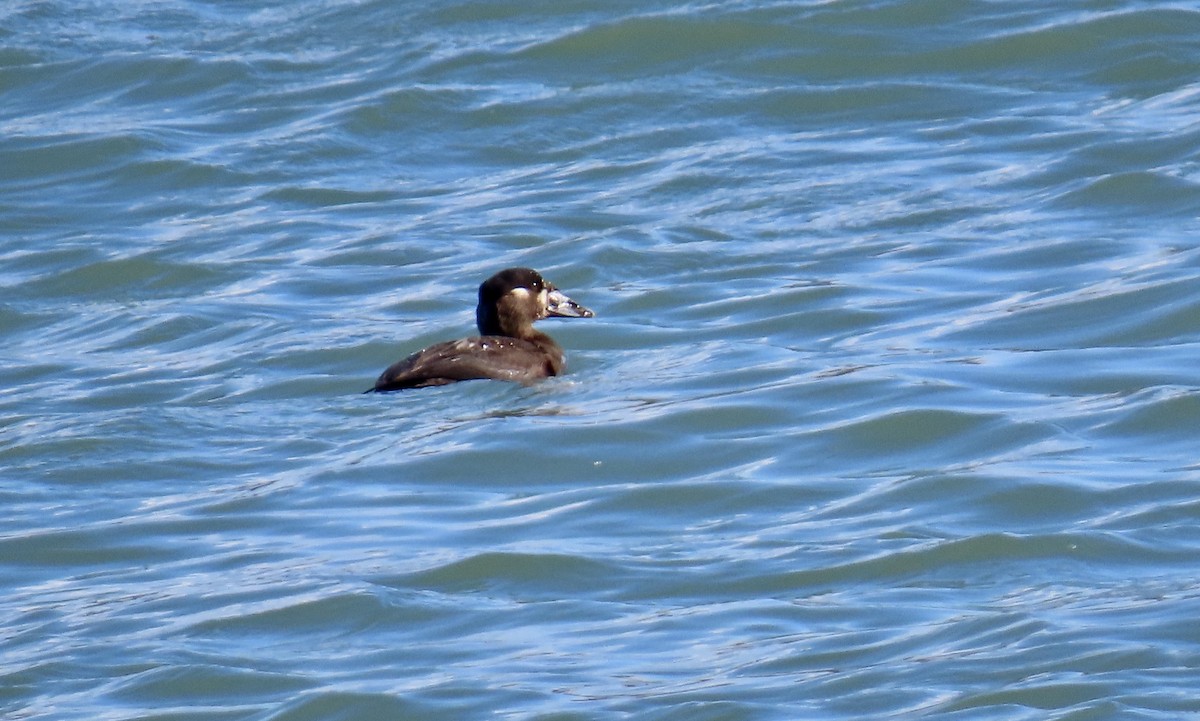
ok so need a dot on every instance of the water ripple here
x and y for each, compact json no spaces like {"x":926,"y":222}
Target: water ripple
{"x":887,"y":408}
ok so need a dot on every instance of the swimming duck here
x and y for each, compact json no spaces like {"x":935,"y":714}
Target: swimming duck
{"x":507,"y":347}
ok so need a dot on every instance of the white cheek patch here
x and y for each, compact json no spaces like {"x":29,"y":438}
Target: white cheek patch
{"x":520,"y":292}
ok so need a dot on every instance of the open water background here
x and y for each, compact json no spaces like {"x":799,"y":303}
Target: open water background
{"x":890,"y":408}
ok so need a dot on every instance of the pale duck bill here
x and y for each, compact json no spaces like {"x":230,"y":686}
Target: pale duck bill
{"x":560,"y":306}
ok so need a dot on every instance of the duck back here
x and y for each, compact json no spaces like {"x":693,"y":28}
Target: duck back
{"x":494,"y":357}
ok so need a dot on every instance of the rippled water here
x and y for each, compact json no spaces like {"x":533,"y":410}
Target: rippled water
{"x":889,"y":409}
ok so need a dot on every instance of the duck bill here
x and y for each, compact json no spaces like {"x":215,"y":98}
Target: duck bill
{"x":559,"y":305}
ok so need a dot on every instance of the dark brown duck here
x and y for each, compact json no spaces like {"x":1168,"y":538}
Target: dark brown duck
{"x":508,"y":348}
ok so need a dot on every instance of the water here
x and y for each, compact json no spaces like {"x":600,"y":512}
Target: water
{"x":889,"y":408}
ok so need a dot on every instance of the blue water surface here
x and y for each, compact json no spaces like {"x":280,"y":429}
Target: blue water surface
{"x":889,"y":408}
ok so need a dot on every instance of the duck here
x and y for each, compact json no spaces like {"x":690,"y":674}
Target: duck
{"x":508,"y":347}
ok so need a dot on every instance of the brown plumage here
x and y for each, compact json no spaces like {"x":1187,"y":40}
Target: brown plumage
{"x":508,"y":347}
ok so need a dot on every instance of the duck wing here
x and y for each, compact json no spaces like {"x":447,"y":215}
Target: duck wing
{"x":494,"y":357}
